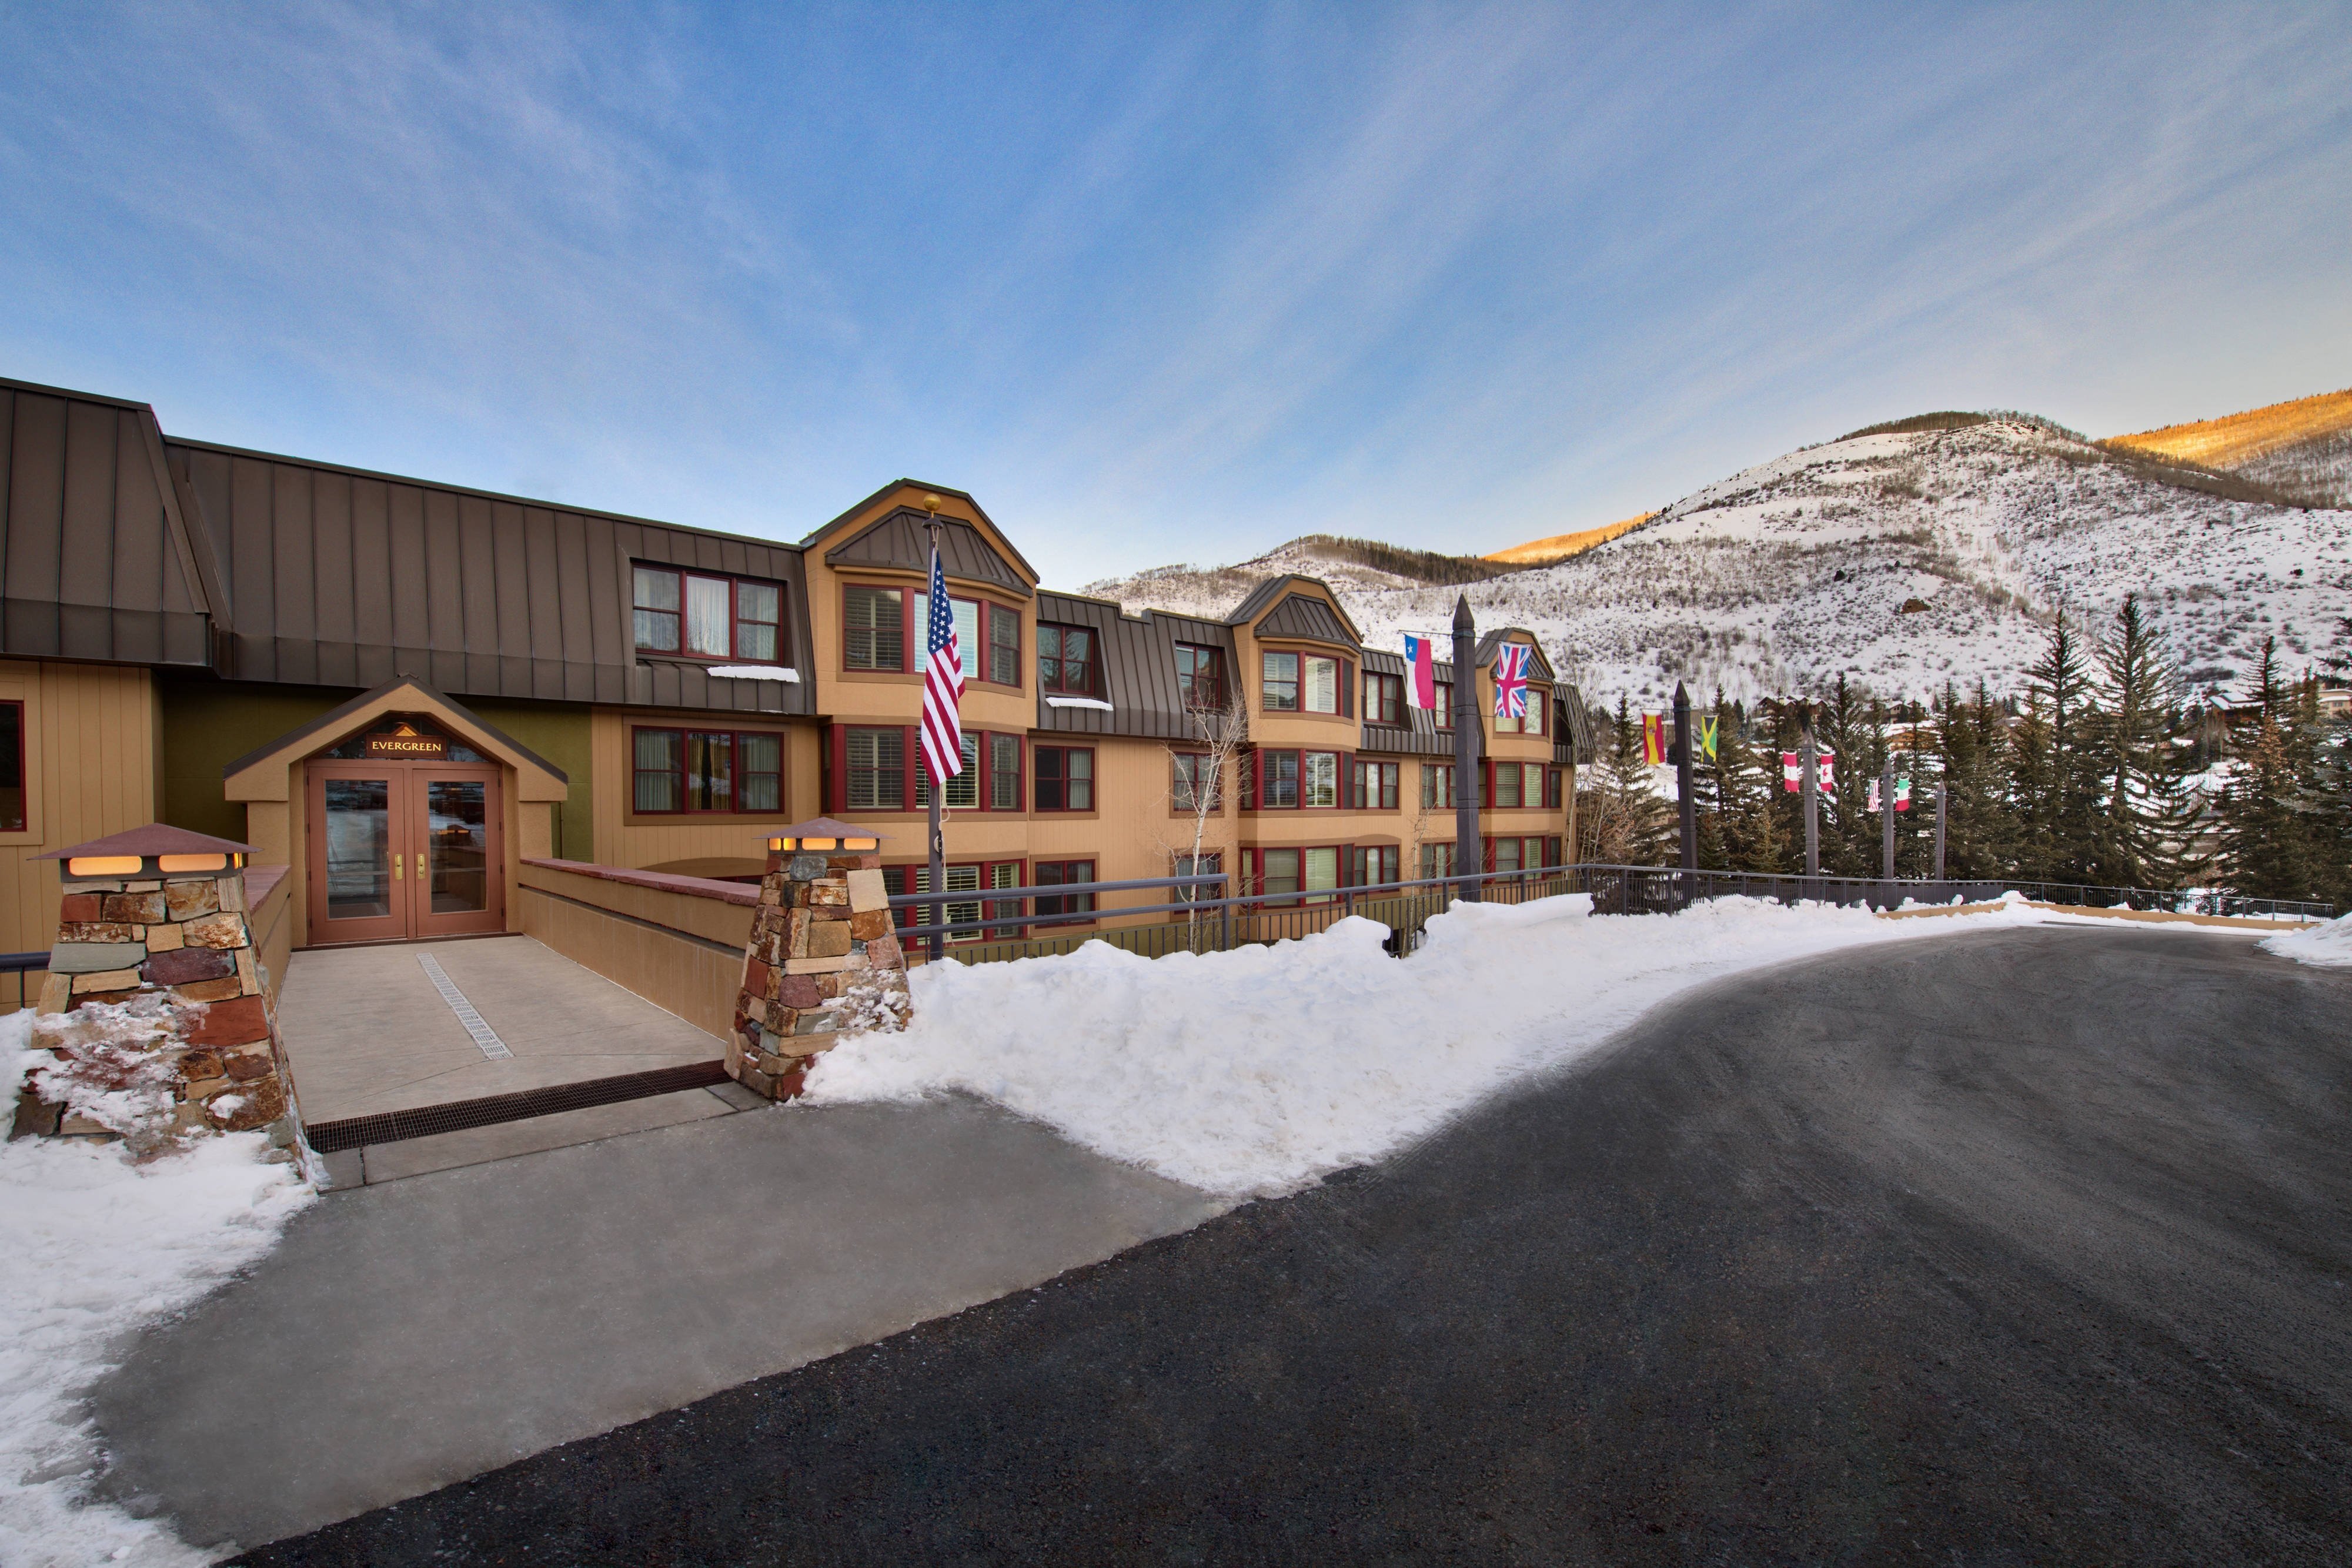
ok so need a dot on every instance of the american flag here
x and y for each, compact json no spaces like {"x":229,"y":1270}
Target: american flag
{"x":942,"y":684}
{"x":1511,"y":681}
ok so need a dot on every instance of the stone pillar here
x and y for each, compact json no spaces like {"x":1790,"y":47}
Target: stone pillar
{"x":161,"y":912}
{"x":822,"y":961}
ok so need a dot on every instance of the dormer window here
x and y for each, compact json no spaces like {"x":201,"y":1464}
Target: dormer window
{"x":1065,"y":661}
{"x":696,"y":615}
{"x":1200,"y":676}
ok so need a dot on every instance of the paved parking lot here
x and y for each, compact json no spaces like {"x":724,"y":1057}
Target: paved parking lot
{"x":2031,"y":1245}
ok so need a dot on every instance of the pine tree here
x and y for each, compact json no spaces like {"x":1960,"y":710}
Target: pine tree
{"x":1621,"y":820}
{"x":2056,"y":793}
{"x":2148,"y":818}
{"x":2267,"y":822}
{"x":1980,"y":831}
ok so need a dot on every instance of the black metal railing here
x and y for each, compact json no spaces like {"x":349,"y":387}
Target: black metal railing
{"x":21,"y":968}
{"x":1197,"y":923}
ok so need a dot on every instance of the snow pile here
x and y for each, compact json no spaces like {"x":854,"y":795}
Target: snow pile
{"x":118,"y":1066}
{"x":96,"y":1244}
{"x":2327,"y":945}
{"x":1258,"y":1071}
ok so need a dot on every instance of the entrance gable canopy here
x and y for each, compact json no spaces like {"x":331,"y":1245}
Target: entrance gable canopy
{"x":268,"y":774}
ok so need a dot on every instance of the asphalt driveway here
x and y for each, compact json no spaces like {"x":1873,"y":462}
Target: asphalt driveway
{"x":2023,"y":1246}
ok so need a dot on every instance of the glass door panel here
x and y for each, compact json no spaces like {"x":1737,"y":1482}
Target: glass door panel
{"x":457,"y":844}
{"x":359,"y":849}
{"x":458,"y":852}
{"x":358,"y":831}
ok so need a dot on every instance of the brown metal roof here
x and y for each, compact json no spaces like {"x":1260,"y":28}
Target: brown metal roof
{"x":1139,"y":665}
{"x":342,"y":577}
{"x":1303,"y":615}
{"x":1029,"y":573}
{"x":1493,"y":640}
{"x":902,"y":542}
{"x":1273,"y":588}
{"x":1419,"y":736}
{"x":97,"y":560}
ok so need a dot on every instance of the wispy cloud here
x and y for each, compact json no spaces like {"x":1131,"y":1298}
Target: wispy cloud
{"x":1163,"y":283}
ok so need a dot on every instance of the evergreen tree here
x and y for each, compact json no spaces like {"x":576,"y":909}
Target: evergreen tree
{"x":1741,"y":831}
{"x":2055,"y":781}
{"x":2142,"y":835}
{"x":2265,"y":811}
{"x":1980,"y":831}
{"x":1620,"y":818}
{"x":1854,"y":726}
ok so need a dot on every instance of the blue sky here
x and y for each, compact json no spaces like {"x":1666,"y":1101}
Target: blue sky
{"x":1164,"y":282}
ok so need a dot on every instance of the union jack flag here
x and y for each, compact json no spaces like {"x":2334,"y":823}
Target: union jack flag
{"x":942,"y":684}
{"x":1511,"y":680}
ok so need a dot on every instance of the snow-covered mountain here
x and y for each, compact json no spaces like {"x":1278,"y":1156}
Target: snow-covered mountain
{"x":1905,"y":558}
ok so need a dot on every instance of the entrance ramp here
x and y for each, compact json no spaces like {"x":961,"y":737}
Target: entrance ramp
{"x":481,"y":1030}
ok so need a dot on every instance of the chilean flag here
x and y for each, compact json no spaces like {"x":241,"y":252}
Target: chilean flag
{"x":1421,"y":672}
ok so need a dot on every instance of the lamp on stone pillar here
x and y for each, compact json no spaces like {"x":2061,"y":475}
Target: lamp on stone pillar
{"x":1467,"y":844}
{"x":822,"y":959}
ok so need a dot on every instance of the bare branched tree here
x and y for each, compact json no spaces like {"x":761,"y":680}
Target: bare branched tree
{"x":1219,"y":733}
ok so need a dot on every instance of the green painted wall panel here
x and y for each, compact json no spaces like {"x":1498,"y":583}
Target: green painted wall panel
{"x":208,"y":725}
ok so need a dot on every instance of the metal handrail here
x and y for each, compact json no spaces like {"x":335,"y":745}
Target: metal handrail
{"x":968,"y":894}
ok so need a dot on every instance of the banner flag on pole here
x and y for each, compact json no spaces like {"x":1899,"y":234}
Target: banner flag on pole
{"x":1872,"y":803}
{"x":1705,"y":726}
{"x":1792,"y":776}
{"x":942,"y":685}
{"x":1828,"y":772}
{"x":1903,"y":794}
{"x":1511,"y":680}
{"x":1653,"y":739}
{"x":1421,"y":672}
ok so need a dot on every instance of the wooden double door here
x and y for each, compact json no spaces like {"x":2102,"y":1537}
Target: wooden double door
{"x":405,"y":849}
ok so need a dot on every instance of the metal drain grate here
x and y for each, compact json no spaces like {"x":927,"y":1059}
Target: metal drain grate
{"x":391,"y":1126}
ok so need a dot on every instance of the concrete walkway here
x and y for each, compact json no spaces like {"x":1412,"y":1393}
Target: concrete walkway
{"x":406,"y":1335}
{"x":369,"y":1031}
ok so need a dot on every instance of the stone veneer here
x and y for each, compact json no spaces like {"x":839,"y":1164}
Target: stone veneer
{"x":184,"y":936}
{"x":823,"y":962}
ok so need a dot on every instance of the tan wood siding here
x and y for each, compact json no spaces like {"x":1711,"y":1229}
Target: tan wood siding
{"x":91,"y":769}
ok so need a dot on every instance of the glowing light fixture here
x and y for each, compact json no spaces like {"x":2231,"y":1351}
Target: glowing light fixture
{"x":105,"y":865}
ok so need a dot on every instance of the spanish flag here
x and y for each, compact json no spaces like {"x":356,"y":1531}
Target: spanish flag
{"x":1653,"y":739}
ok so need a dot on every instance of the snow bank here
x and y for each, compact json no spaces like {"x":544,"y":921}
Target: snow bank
{"x":95,"y":1245}
{"x":2327,"y":944}
{"x":1257,"y":1072}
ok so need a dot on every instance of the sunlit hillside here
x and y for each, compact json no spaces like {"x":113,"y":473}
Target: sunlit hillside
{"x":1559,"y":547}
{"x":2302,"y":449}
{"x":2230,"y":441}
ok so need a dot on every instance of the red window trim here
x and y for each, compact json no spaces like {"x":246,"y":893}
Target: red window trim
{"x":683,"y":730}
{"x":1094,"y":781}
{"x":1216,"y":786}
{"x":1096,"y":674}
{"x":23,"y":790}
{"x":1253,"y":870}
{"x":1093,"y":913}
{"x":734,"y":614}
{"x":1388,"y":683}
{"x":1256,"y":799}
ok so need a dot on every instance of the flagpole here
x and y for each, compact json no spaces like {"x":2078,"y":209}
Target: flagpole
{"x":938,"y":910}
{"x":1809,"y":782}
{"x":1687,"y":795}
{"x":1469,"y":851}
